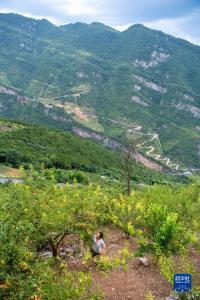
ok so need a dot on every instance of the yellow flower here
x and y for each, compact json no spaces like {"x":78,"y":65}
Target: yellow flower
{"x":139,"y":206}
{"x":23,"y":265}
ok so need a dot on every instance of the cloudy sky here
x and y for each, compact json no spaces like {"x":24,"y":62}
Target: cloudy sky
{"x":180,"y":18}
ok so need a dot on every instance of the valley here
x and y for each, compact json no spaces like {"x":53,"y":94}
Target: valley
{"x":85,"y":117}
{"x":99,"y":161}
{"x":69,"y":76}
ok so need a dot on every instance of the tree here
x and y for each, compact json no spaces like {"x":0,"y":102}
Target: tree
{"x":128,"y":163}
{"x":128,"y":158}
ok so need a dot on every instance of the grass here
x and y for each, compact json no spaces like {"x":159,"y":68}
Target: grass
{"x":5,"y":81}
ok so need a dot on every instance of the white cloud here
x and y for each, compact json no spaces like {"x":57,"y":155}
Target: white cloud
{"x":25,"y":12}
{"x":186,"y":27}
{"x":122,"y":27}
{"x":180,"y":18}
{"x":78,"y":8}
{"x":5,"y":10}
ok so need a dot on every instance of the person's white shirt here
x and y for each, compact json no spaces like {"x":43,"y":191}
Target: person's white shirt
{"x":98,"y":244}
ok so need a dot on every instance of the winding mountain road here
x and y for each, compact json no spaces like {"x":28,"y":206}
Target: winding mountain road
{"x":150,"y":150}
{"x":135,"y":129}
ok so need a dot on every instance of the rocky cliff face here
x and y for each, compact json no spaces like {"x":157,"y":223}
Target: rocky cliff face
{"x":139,"y":76}
{"x":112,"y":144}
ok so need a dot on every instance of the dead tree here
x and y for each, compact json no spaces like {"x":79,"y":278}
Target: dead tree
{"x":128,"y":164}
{"x":127,"y":161}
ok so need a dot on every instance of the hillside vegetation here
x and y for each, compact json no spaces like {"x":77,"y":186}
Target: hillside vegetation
{"x":136,"y":92}
{"x":95,"y":77}
{"x":161,"y":221}
{"x":24,"y":145}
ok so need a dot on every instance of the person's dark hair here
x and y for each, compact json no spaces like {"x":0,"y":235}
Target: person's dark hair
{"x":101,"y":234}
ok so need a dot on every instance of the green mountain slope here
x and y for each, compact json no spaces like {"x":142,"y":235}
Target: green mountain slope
{"x":23,"y":144}
{"x":140,"y":85}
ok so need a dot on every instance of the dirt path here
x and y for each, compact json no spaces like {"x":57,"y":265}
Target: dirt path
{"x":133,"y":283}
{"x":136,"y":281}
{"x":149,"y":149}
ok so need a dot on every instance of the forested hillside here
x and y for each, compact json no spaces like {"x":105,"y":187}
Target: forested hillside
{"x":46,"y":233}
{"x":99,"y":134}
{"x":23,"y":145}
{"x":140,"y":85}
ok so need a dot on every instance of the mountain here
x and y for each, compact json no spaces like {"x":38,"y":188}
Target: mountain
{"x":23,"y":144}
{"x":139,"y":86}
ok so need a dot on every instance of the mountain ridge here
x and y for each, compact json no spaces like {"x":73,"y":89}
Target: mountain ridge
{"x":94,"y":23}
{"x":91,"y":73}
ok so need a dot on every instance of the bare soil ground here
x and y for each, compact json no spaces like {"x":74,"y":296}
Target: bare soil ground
{"x":9,"y":172}
{"x":77,"y":111}
{"x":5,"y":127}
{"x":131,"y":284}
{"x":136,"y":281}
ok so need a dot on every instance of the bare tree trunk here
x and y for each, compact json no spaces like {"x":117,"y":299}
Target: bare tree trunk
{"x":55,"y":244}
{"x":128,"y":166}
{"x":128,"y":185}
{"x":54,"y":248}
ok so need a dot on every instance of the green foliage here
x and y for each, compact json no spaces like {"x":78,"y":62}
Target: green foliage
{"x":168,"y":223}
{"x":91,"y":66}
{"x":55,"y":149}
{"x":149,"y":296}
{"x":23,"y":144}
{"x":123,"y":215}
{"x":63,"y":176}
{"x":167,"y":267}
{"x":171,"y":265}
{"x":166,"y":228}
{"x":51,"y":63}
{"x":119,"y":260}
{"x":44,"y":282}
{"x":193,"y":295}
{"x":39,"y":210}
